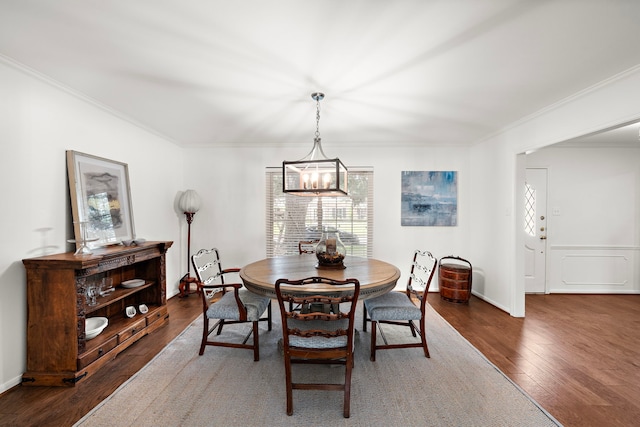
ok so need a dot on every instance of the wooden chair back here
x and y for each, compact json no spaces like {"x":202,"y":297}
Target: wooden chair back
{"x":209,"y":274}
{"x":307,"y":246}
{"x":423,"y":268}
{"x":318,"y":334}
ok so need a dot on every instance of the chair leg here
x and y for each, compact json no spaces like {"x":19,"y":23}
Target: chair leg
{"x":269,"y":316}
{"x":220,"y":327}
{"x":287,"y":374}
{"x":423,"y":337}
{"x":347,"y":387}
{"x":205,"y":335}
{"x":256,"y":342}
{"x":364,"y":318}
{"x":412,"y":327}
{"x":374,"y":326}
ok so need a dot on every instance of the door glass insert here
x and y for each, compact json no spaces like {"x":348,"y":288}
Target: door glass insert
{"x":529,"y":210}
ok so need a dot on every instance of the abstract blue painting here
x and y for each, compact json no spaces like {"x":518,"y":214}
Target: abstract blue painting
{"x":429,"y":198}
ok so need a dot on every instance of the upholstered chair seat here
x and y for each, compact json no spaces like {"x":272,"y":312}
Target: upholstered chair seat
{"x":227,"y":307}
{"x":392,"y":306}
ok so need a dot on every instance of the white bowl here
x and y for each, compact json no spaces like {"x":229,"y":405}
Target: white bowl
{"x":130,"y":311}
{"x":94,"y":325}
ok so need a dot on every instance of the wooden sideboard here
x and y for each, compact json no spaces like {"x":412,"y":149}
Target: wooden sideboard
{"x":58,"y":354}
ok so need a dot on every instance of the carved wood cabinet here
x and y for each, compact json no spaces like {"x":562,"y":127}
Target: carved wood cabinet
{"x":58,"y":354}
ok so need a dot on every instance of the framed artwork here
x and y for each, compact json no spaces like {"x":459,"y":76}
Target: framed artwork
{"x":429,"y":198}
{"x":100,"y":200}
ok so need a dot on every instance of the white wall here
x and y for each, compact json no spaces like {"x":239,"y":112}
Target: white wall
{"x":233,"y":216}
{"x":38,"y":122}
{"x":492,"y":223}
{"x":497,"y":178}
{"x":593,"y":237}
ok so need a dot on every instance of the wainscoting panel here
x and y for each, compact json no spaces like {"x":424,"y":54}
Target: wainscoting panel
{"x":593,"y":269}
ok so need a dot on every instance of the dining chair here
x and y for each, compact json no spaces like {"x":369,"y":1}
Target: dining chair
{"x":318,"y":337}
{"x":307,"y":246}
{"x":235,"y":305}
{"x":399,"y":308}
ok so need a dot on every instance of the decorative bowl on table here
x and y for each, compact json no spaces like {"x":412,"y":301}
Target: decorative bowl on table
{"x":330,"y":250}
{"x":93,"y":326}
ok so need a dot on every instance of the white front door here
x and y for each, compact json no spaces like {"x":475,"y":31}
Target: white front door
{"x":535,"y":230}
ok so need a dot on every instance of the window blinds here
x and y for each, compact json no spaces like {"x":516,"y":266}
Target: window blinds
{"x":290,"y":219}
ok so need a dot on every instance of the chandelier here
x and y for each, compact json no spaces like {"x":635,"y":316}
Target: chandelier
{"x":315,"y":174}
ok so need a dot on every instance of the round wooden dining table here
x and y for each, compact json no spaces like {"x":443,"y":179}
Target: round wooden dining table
{"x":376,"y":277}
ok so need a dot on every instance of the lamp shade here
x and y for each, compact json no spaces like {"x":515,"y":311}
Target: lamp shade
{"x":190,"y":201}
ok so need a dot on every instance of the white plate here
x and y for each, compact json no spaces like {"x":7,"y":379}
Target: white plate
{"x":83,"y":241}
{"x":133,"y":283}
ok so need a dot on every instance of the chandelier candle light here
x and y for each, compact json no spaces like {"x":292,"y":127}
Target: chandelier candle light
{"x":315,"y":174}
{"x":189,"y":203}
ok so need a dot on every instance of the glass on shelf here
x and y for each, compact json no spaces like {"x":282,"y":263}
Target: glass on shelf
{"x":91,"y":294}
{"x":83,"y":249}
{"x":106,"y":286}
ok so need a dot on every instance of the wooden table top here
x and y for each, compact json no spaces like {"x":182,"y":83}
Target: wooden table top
{"x":376,"y":277}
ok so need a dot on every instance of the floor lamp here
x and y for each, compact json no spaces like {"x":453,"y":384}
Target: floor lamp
{"x":189,"y":203}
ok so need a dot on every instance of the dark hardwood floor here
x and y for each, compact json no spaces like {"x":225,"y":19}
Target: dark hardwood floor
{"x":576,"y":355}
{"x":63,"y":406}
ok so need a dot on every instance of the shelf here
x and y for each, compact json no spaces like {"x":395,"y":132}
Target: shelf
{"x":116,"y":325}
{"x":118,"y":294}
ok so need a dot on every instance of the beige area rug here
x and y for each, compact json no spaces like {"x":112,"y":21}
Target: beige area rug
{"x":457,"y":386}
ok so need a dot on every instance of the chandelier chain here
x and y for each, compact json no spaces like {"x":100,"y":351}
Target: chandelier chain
{"x":317,"y":117}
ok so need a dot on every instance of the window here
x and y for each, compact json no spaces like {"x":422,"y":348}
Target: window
{"x":529,"y":210}
{"x":293,"y":218}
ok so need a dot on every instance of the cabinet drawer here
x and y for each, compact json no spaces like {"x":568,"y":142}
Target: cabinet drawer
{"x":131,"y":330}
{"x":92,"y":355}
{"x":159,"y":313}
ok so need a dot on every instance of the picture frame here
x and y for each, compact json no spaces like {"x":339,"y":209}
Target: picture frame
{"x":429,"y":198}
{"x":100,"y":200}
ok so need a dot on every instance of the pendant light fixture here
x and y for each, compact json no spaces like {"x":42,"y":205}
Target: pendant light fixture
{"x":315,"y":174}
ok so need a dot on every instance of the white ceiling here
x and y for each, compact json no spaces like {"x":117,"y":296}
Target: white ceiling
{"x":394,"y":72}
